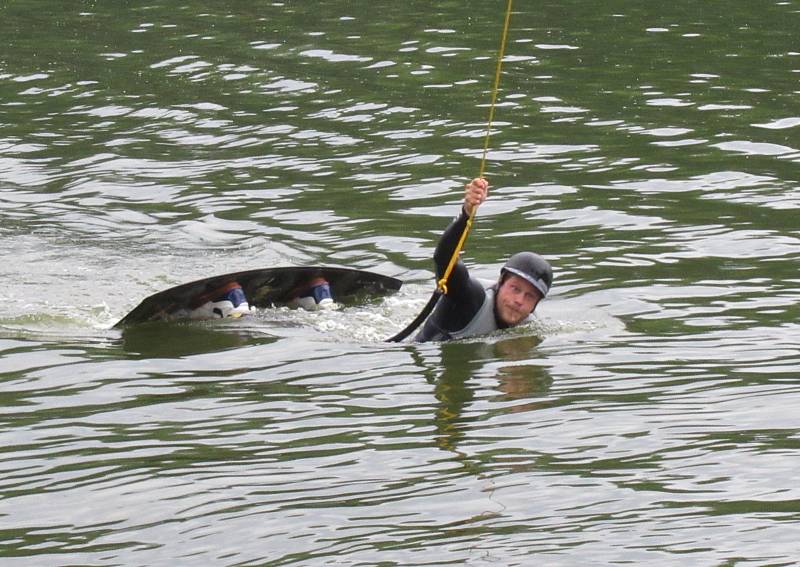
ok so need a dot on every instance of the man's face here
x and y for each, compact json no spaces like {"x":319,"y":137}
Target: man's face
{"x":516,"y":299}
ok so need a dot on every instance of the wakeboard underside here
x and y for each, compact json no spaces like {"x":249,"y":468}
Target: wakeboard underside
{"x":267,"y":287}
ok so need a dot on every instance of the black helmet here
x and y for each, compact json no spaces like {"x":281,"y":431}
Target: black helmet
{"x":532,"y":268}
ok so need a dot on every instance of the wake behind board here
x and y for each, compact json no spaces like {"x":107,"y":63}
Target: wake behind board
{"x":264,"y":288}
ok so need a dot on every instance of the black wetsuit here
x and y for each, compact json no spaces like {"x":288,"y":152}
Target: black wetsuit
{"x":465,"y":295}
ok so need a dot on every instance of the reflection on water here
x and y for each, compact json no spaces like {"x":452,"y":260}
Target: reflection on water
{"x":648,"y":416}
{"x":158,"y":340}
{"x":461,"y":363}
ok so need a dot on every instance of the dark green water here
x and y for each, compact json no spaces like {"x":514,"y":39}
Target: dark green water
{"x":648,"y":149}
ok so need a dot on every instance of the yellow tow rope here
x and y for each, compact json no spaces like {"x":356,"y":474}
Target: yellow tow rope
{"x":442,"y":283}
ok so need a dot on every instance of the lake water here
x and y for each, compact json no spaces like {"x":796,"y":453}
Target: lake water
{"x":649,"y":150}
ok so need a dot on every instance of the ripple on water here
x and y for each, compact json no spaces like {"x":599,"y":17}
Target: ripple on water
{"x":647,"y":415}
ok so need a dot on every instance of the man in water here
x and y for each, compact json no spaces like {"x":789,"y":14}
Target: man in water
{"x":471,"y":308}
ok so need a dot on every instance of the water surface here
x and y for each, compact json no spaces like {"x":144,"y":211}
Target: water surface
{"x":648,"y":416}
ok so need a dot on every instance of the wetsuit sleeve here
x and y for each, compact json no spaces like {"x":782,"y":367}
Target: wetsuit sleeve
{"x":444,"y":252}
{"x":465,"y":295}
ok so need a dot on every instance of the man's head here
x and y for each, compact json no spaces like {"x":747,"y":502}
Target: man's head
{"x":524,"y":281}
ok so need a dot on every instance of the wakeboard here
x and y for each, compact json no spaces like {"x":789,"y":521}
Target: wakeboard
{"x":264,"y":288}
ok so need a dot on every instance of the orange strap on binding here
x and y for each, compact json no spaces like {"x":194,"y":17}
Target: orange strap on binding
{"x":210,"y":295}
